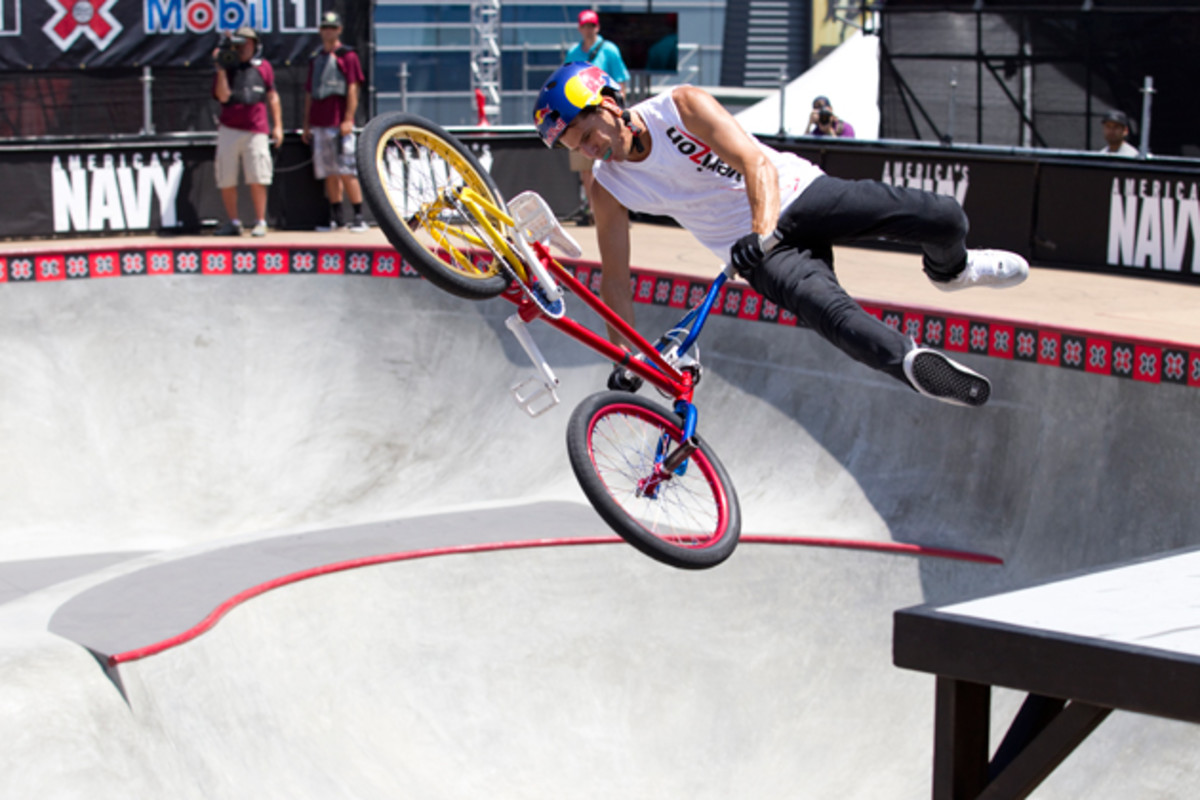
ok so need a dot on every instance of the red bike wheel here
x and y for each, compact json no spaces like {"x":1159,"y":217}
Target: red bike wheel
{"x":688,"y":518}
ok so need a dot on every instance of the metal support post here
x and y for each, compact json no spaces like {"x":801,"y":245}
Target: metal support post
{"x":1147,"y":91}
{"x":783,"y":82}
{"x":404,"y":86}
{"x":950,"y":112}
{"x":147,"y":102}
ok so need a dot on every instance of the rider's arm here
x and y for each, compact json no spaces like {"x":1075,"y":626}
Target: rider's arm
{"x":612,"y":236}
{"x":703,"y":116}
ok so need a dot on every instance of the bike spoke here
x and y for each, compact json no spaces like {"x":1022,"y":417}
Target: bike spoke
{"x":682,"y":511}
{"x":422,"y":186}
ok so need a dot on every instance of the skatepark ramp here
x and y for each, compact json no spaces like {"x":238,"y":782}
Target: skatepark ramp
{"x":176,"y":441}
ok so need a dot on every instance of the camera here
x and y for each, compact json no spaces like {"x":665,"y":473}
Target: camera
{"x":228,"y":53}
{"x":824,"y":116}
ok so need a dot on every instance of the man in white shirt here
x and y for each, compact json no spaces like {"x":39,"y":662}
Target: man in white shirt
{"x":1116,"y":128}
{"x":774,"y":216}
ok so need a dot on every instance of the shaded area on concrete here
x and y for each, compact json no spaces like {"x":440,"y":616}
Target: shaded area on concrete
{"x":167,"y":599}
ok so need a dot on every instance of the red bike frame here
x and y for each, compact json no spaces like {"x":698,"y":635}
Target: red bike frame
{"x":653,"y":369}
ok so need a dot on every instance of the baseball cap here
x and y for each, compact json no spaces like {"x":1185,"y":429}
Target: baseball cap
{"x":246,"y":32}
{"x":1117,"y":117}
{"x":588,"y":18}
{"x":331,"y":19}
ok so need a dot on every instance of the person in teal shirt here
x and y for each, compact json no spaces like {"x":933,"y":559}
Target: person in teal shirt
{"x":594,"y":49}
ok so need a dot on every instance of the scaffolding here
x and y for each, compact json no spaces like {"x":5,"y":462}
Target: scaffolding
{"x":485,"y":56}
{"x":1001,"y":73}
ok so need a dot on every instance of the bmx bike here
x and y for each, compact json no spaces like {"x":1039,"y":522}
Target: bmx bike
{"x":643,"y":467}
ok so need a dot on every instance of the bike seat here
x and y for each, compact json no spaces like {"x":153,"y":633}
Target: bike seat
{"x":537,"y":223}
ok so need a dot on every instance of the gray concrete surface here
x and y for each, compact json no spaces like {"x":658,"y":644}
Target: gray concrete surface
{"x":187,"y":417}
{"x":168,"y":599}
{"x":18,"y":578}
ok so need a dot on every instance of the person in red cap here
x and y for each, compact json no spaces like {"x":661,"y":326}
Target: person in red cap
{"x":594,"y":49}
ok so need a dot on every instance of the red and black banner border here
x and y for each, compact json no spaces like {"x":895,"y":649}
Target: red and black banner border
{"x":1093,"y":352}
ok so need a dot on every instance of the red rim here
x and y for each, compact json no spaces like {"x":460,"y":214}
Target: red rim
{"x":721,"y":527}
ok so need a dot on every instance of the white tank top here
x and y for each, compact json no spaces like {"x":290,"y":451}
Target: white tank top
{"x":682,"y":178}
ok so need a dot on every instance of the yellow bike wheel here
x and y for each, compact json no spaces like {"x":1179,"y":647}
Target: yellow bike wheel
{"x":436,"y":204}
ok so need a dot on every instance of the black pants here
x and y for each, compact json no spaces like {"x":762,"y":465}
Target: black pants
{"x":798,"y":274}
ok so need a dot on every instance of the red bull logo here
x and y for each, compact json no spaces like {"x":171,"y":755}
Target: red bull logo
{"x":583,"y":90}
{"x":555,"y":130}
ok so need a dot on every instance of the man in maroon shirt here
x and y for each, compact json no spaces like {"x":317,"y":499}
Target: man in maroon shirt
{"x":330,"y":101}
{"x":246,"y":91}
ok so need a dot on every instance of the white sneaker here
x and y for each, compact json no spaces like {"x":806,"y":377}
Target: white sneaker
{"x":934,"y":375}
{"x":330,"y":228}
{"x":358,"y":226}
{"x":259,"y":229}
{"x":998,"y":269}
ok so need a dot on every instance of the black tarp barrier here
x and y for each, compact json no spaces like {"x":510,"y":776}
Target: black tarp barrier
{"x":1130,"y":222}
{"x":1103,"y":214}
{"x":983,"y":187}
{"x":73,"y":189}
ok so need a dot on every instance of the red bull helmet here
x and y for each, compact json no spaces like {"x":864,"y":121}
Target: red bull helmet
{"x":572,"y":88}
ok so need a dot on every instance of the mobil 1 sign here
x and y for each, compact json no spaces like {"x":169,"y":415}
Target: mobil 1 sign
{"x":1121,"y":218}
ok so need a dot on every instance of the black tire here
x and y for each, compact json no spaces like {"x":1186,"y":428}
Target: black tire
{"x":404,"y":162}
{"x":693,"y":522}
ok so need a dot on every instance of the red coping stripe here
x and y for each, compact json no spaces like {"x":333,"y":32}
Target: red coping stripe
{"x":1147,"y":361}
{"x":205,"y":625}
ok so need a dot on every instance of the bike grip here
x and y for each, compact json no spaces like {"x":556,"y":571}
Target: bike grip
{"x":768,"y":241}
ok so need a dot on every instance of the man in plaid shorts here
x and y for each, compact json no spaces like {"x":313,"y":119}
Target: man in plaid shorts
{"x":330,"y":102}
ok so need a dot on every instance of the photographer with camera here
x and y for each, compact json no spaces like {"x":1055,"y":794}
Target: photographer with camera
{"x":823,"y":122}
{"x":245,"y":87}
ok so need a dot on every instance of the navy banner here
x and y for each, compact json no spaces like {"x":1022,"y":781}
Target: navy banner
{"x":1143,"y":222}
{"x":70,"y":34}
{"x":995,"y":193}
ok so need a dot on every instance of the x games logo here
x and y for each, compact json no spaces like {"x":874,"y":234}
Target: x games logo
{"x":75,"y":18}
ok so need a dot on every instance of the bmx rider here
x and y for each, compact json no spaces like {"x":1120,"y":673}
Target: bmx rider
{"x":774,"y":216}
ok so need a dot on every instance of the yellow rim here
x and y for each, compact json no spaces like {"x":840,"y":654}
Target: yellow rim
{"x":454,"y":240}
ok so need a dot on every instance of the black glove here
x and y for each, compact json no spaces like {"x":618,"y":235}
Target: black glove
{"x":746,"y":255}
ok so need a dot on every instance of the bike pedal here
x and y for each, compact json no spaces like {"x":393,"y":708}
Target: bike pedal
{"x":622,"y":380}
{"x":535,"y":397}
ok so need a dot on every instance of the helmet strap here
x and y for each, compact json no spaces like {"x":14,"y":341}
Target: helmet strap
{"x":634,"y":129}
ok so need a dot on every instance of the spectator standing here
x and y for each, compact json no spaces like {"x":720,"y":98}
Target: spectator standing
{"x":1116,"y":128}
{"x":246,"y":92}
{"x":594,"y":49}
{"x":823,"y":122}
{"x":331,"y":95}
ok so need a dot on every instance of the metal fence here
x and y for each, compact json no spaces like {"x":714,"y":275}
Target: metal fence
{"x":1038,"y":76}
